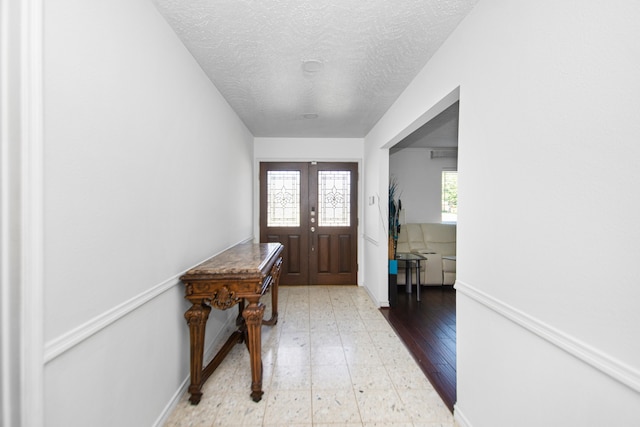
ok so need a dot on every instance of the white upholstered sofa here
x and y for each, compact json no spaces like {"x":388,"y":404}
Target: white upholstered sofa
{"x":433,"y":241}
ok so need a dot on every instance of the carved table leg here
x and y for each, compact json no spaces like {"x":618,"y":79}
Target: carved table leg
{"x":275,"y":275}
{"x":253,"y":314}
{"x":197,"y":317}
{"x":240,"y":322}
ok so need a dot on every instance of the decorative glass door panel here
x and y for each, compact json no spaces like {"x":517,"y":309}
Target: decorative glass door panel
{"x":283,"y":199}
{"x":334,"y":203}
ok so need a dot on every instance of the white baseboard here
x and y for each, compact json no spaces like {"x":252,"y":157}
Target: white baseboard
{"x":209,"y":354}
{"x":607,"y":364}
{"x":459,"y":417}
{"x":378,"y":303}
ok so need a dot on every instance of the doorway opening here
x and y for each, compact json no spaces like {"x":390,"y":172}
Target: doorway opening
{"x":424,"y":155}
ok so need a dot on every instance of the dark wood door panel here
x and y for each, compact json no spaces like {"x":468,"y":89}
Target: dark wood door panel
{"x":336,"y":260}
{"x":293,"y":267}
{"x":347,"y":256}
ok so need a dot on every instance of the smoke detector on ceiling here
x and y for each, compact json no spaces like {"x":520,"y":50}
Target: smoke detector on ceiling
{"x":312,"y":65}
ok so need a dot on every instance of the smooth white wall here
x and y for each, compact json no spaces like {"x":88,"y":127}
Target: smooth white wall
{"x":419,"y":179}
{"x":147,"y":172}
{"x":376,"y":223}
{"x":307,"y":150}
{"x":547,"y":292}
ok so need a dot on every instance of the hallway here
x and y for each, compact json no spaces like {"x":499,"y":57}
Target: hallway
{"x":331,"y":359}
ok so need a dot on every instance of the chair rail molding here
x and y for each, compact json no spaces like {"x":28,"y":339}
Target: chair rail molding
{"x":607,"y":364}
{"x":70,"y":339}
{"x":75,"y":336}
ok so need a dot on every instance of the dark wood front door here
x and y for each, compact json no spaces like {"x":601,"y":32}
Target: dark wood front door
{"x":311,"y":208}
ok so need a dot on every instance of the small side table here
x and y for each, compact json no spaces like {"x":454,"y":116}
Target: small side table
{"x":411,"y":260}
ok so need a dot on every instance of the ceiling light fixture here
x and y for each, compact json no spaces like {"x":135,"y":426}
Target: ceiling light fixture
{"x":310,"y":116}
{"x":312,"y":65}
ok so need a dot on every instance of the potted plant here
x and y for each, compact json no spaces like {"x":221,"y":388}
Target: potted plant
{"x":395,"y":205}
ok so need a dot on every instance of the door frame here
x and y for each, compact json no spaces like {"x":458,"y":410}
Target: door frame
{"x":296,"y":159}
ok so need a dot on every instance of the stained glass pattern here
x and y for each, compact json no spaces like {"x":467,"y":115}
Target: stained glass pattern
{"x":334,"y":207}
{"x":283,"y":198}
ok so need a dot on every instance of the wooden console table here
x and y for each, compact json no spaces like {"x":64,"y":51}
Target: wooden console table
{"x":240,"y":274}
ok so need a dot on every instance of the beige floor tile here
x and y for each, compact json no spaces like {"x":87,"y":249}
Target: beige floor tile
{"x":362,"y":355}
{"x":295,"y":339}
{"x":355,"y":338}
{"x":293,"y":356}
{"x":335,"y":406}
{"x":381,"y":406}
{"x":326,"y":325}
{"x":289,"y":425}
{"x":391,"y":424}
{"x":369,"y":312}
{"x":394,"y":355}
{"x":238,"y":409}
{"x":187,"y":415}
{"x":291,"y":377}
{"x":370,"y":377}
{"x":342,"y":303}
{"x":339,"y":425}
{"x":387,"y":337}
{"x":295,"y":324}
{"x":324,"y":338}
{"x":351,"y":325}
{"x":330,"y":377}
{"x":378,"y":324}
{"x":420,"y":424}
{"x":425,"y":406}
{"x":286,"y":407}
{"x":328,"y":355}
{"x":408,"y":376}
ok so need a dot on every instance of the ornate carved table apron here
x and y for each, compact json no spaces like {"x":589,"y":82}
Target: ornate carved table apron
{"x":239,"y":275}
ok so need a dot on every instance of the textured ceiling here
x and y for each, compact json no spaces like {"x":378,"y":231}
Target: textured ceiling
{"x":368,"y":52}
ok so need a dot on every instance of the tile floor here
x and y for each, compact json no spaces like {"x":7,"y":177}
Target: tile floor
{"x":332,"y":360}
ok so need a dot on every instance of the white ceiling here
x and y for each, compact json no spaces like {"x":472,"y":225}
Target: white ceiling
{"x":368,"y":51}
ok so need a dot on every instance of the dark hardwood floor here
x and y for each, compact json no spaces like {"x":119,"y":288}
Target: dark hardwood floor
{"x":428,"y":329}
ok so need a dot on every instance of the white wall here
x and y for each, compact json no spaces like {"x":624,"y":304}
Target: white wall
{"x":419,"y":179}
{"x":147,"y":172}
{"x":547,"y":292}
{"x":376,"y":223}
{"x":306,"y":150}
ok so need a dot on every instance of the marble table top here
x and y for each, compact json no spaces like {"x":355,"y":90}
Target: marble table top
{"x":241,"y":261}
